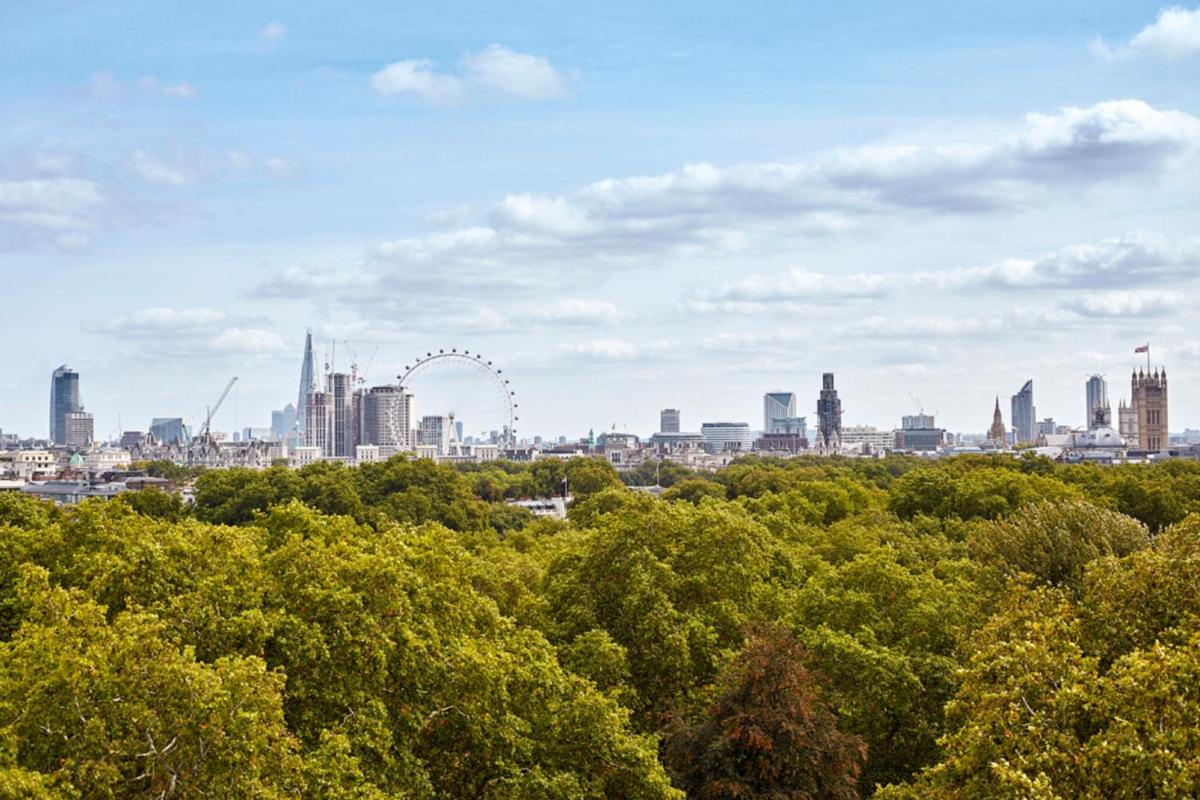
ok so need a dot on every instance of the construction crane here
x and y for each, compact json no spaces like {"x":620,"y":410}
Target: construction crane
{"x":212,"y":411}
{"x":917,"y":402}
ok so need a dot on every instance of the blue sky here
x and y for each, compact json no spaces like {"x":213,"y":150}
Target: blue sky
{"x":629,"y":205}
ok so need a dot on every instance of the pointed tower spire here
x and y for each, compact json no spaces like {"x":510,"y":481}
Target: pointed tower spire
{"x":306,"y":385}
{"x":996,"y":433}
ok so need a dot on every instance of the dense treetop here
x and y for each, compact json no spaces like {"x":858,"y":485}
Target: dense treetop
{"x":812,"y":628}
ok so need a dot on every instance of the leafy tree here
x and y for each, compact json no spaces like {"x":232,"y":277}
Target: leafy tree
{"x":887,"y":636}
{"x":671,"y":583}
{"x":420,"y":490}
{"x":658,"y":472}
{"x":768,"y":734}
{"x":235,"y":496}
{"x":155,"y":503}
{"x":693,"y":490}
{"x":384,"y":640}
{"x":588,"y":476}
{"x":1055,"y":542}
{"x":1020,"y":712}
{"x":1051,"y":705}
{"x":117,"y":710}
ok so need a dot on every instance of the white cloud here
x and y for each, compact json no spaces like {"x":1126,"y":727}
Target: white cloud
{"x":183,"y":89}
{"x":155,"y":170}
{"x":63,"y":211}
{"x":158,"y":320}
{"x":786,"y":341}
{"x":1129,"y":260}
{"x":1137,"y":303}
{"x":710,"y":209}
{"x":167,"y":332}
{"x":241,"y":159}
{"x":615,"y":349}
{"x":282,"y":167}
{"x":1173,"y":36}
{"x":298,"y":281}
{"x":495,"y":69}
{"x":273,"y":31}
{"x":576,"y":311}
{"x":245,"y":340}
{"x":794,"y":287}
{"x":104,"y":85}
{"x":417,"y":77}
{"x":518,"y":74}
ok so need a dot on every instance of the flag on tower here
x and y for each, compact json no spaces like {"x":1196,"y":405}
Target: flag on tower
{"x":1143,"y":349}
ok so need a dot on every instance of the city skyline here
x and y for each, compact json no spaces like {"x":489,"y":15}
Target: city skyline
{"x":780,"y":407}
{"x":673,"y":208}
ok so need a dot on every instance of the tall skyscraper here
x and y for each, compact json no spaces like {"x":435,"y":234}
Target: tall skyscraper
{"x":1097,"y":398}
{"x":341,"y":390}
{"x":318,"y":425}
{"x":1024,"y":414}
{"x":668,"y":420}
{"x":307,"y":386}
{"x":829,"y":415}
{"x":64,"y":400}
{"x":387,"y":418}
{"x":1149,"y":401}
{"x":331,"y":423}
{"x":779,"y":408}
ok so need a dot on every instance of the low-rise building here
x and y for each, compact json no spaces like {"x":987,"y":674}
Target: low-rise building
{"x":726,"y":437}
{"x":856,"y":436}
{"x":28,"y":464}
{"x":106,"y":460}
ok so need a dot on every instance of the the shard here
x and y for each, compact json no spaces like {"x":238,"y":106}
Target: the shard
{"x":306,"y":387}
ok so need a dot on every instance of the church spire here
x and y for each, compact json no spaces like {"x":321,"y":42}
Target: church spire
{"x":996,"y":433}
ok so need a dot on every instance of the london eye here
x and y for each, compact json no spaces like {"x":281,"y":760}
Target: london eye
{"x":466,"y":387}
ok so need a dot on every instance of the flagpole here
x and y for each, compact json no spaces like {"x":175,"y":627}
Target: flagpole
{"x":1147,"y":358}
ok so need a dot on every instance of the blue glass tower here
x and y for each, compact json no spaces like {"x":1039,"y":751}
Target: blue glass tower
{"x":64,"y":399}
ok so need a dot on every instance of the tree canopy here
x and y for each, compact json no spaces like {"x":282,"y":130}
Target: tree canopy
{"x":975,"y":627}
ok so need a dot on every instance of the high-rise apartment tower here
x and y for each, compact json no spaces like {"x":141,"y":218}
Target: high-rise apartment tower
{"x":829,"y":415}
{"x":1024,"y":415}
{"x":64,"y":400}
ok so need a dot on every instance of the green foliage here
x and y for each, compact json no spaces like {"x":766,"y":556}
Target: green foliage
{"x":693,"y":490}
{"x":1059,"y":699}
{"x":117,"y":710}
{"x":656,"y":472}
{"x":155,"y":503}
{"x":1055,"y":542}
{"x":983,"y":626}
{"x":985,"y":493}
{"x":670,"y":583}
{"x":768,"y":734}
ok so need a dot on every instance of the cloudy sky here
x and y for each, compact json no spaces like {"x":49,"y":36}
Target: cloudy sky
{"x":630,"y":206}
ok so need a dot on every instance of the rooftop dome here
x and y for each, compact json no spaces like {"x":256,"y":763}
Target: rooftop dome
{"x":1099,"y":437}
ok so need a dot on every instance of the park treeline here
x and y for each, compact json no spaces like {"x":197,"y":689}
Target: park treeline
{"x":974,"y":627}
